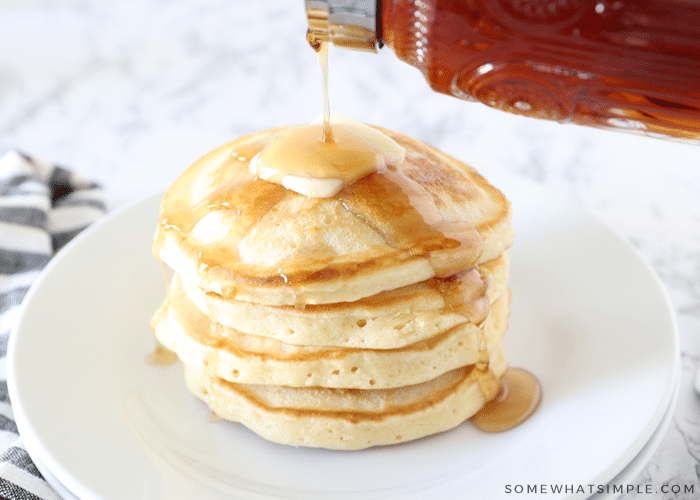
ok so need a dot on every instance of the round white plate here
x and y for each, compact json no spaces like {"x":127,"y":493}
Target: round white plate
{"x":588,"y":317}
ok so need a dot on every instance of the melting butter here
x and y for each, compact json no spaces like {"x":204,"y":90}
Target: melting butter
{"x":301,"y":160}
{"x":393,"y":153}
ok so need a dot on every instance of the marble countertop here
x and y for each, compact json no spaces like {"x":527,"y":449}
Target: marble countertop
{"x":131,"y":92}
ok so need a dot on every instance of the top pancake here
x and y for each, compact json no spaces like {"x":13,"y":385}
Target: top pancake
{"x":253,"y":240}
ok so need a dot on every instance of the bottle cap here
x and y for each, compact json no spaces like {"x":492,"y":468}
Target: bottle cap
{"x":349,"y":24}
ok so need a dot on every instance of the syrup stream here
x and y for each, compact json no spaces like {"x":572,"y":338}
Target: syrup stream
{"x":321,"y":48}
{"x":323,"y":63}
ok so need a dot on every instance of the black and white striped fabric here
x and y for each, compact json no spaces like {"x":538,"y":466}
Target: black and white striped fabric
{"x":42,"y":207}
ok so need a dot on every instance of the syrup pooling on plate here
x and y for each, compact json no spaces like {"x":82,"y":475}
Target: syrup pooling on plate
{"x":518,"y":397}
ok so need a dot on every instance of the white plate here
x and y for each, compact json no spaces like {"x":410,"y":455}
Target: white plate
{"x":619,"y":484}
{"x":588,"y":317}
{"x":611,"y":491}
{"x":625,"y":479}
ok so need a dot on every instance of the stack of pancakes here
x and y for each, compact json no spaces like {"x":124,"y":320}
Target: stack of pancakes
{"x":368,"y":318}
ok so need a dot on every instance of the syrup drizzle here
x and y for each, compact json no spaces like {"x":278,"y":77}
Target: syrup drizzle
{"x":322,"y":54}
{"x":161,"y":356}
{"x":321,"y":49}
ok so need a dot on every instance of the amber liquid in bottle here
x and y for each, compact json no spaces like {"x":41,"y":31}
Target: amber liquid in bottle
{"x":614,"y":64}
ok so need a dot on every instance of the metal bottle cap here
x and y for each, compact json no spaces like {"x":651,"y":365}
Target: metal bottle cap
{"x":346,"y":23}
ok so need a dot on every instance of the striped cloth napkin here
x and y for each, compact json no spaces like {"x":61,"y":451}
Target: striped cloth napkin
{"x":42,"y":207}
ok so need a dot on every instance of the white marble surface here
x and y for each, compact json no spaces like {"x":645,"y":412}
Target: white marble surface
{"x":131,"y":92}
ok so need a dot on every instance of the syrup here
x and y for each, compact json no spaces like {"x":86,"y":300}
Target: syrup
{"x":165,"y":279}
{"x":322,"y":53}
{"x":405,"y":214}
{"x":469,"y":298}
{"x":161,"y":356}
{"x":314,"y":151}
{"x":518,"y":397}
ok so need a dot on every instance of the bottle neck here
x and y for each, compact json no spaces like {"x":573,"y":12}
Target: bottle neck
{"x":349,"y":24}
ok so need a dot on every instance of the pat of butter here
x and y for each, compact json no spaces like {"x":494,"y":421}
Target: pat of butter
{"x":322,"y":181}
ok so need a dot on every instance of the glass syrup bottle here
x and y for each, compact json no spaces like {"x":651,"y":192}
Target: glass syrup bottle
{"x":615,"y":64}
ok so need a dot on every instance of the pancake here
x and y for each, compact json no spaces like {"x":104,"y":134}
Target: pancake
{"x":351,"y":419}
{"x":245,"y":238}
{"x":237,"y":357}
{"x":336,"y":302}
{"x":388,"y":320}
